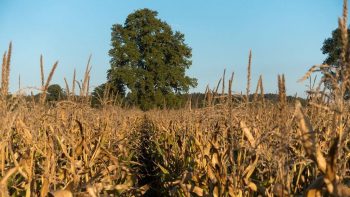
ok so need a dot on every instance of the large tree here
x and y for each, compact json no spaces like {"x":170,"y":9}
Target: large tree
{"x":148,"y":61}
{"x":332,"y":49}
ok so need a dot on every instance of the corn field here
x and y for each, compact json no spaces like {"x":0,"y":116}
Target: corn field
{"x":237,"y":145}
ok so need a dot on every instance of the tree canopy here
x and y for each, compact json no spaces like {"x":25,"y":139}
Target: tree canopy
{"x":148,"y":61}
{"x":332,"y":49}
{"x":55,"y":92}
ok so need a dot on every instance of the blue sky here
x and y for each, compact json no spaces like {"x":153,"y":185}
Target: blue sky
{"x":285,"y":37}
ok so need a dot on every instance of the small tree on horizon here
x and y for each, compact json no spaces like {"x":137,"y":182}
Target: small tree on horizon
{"x":55,"y":93}
{"x":149,"y":61}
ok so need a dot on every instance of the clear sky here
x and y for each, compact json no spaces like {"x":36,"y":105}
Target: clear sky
{"x":284,"y":35}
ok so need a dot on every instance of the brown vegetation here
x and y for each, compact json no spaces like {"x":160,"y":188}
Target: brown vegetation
{"x":248,"y":147}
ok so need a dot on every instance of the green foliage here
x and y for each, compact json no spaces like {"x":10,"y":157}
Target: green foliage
{"x":148,"y":61}
{"x":332,"y":48}
{"x":97,"y":95}
{"x":55,"y":93}
{"x":103,"y":94}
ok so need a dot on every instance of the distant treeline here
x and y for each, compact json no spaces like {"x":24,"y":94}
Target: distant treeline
{"x":197,"y":100}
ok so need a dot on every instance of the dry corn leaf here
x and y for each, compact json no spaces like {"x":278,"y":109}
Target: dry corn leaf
{"x":194,"y":189}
